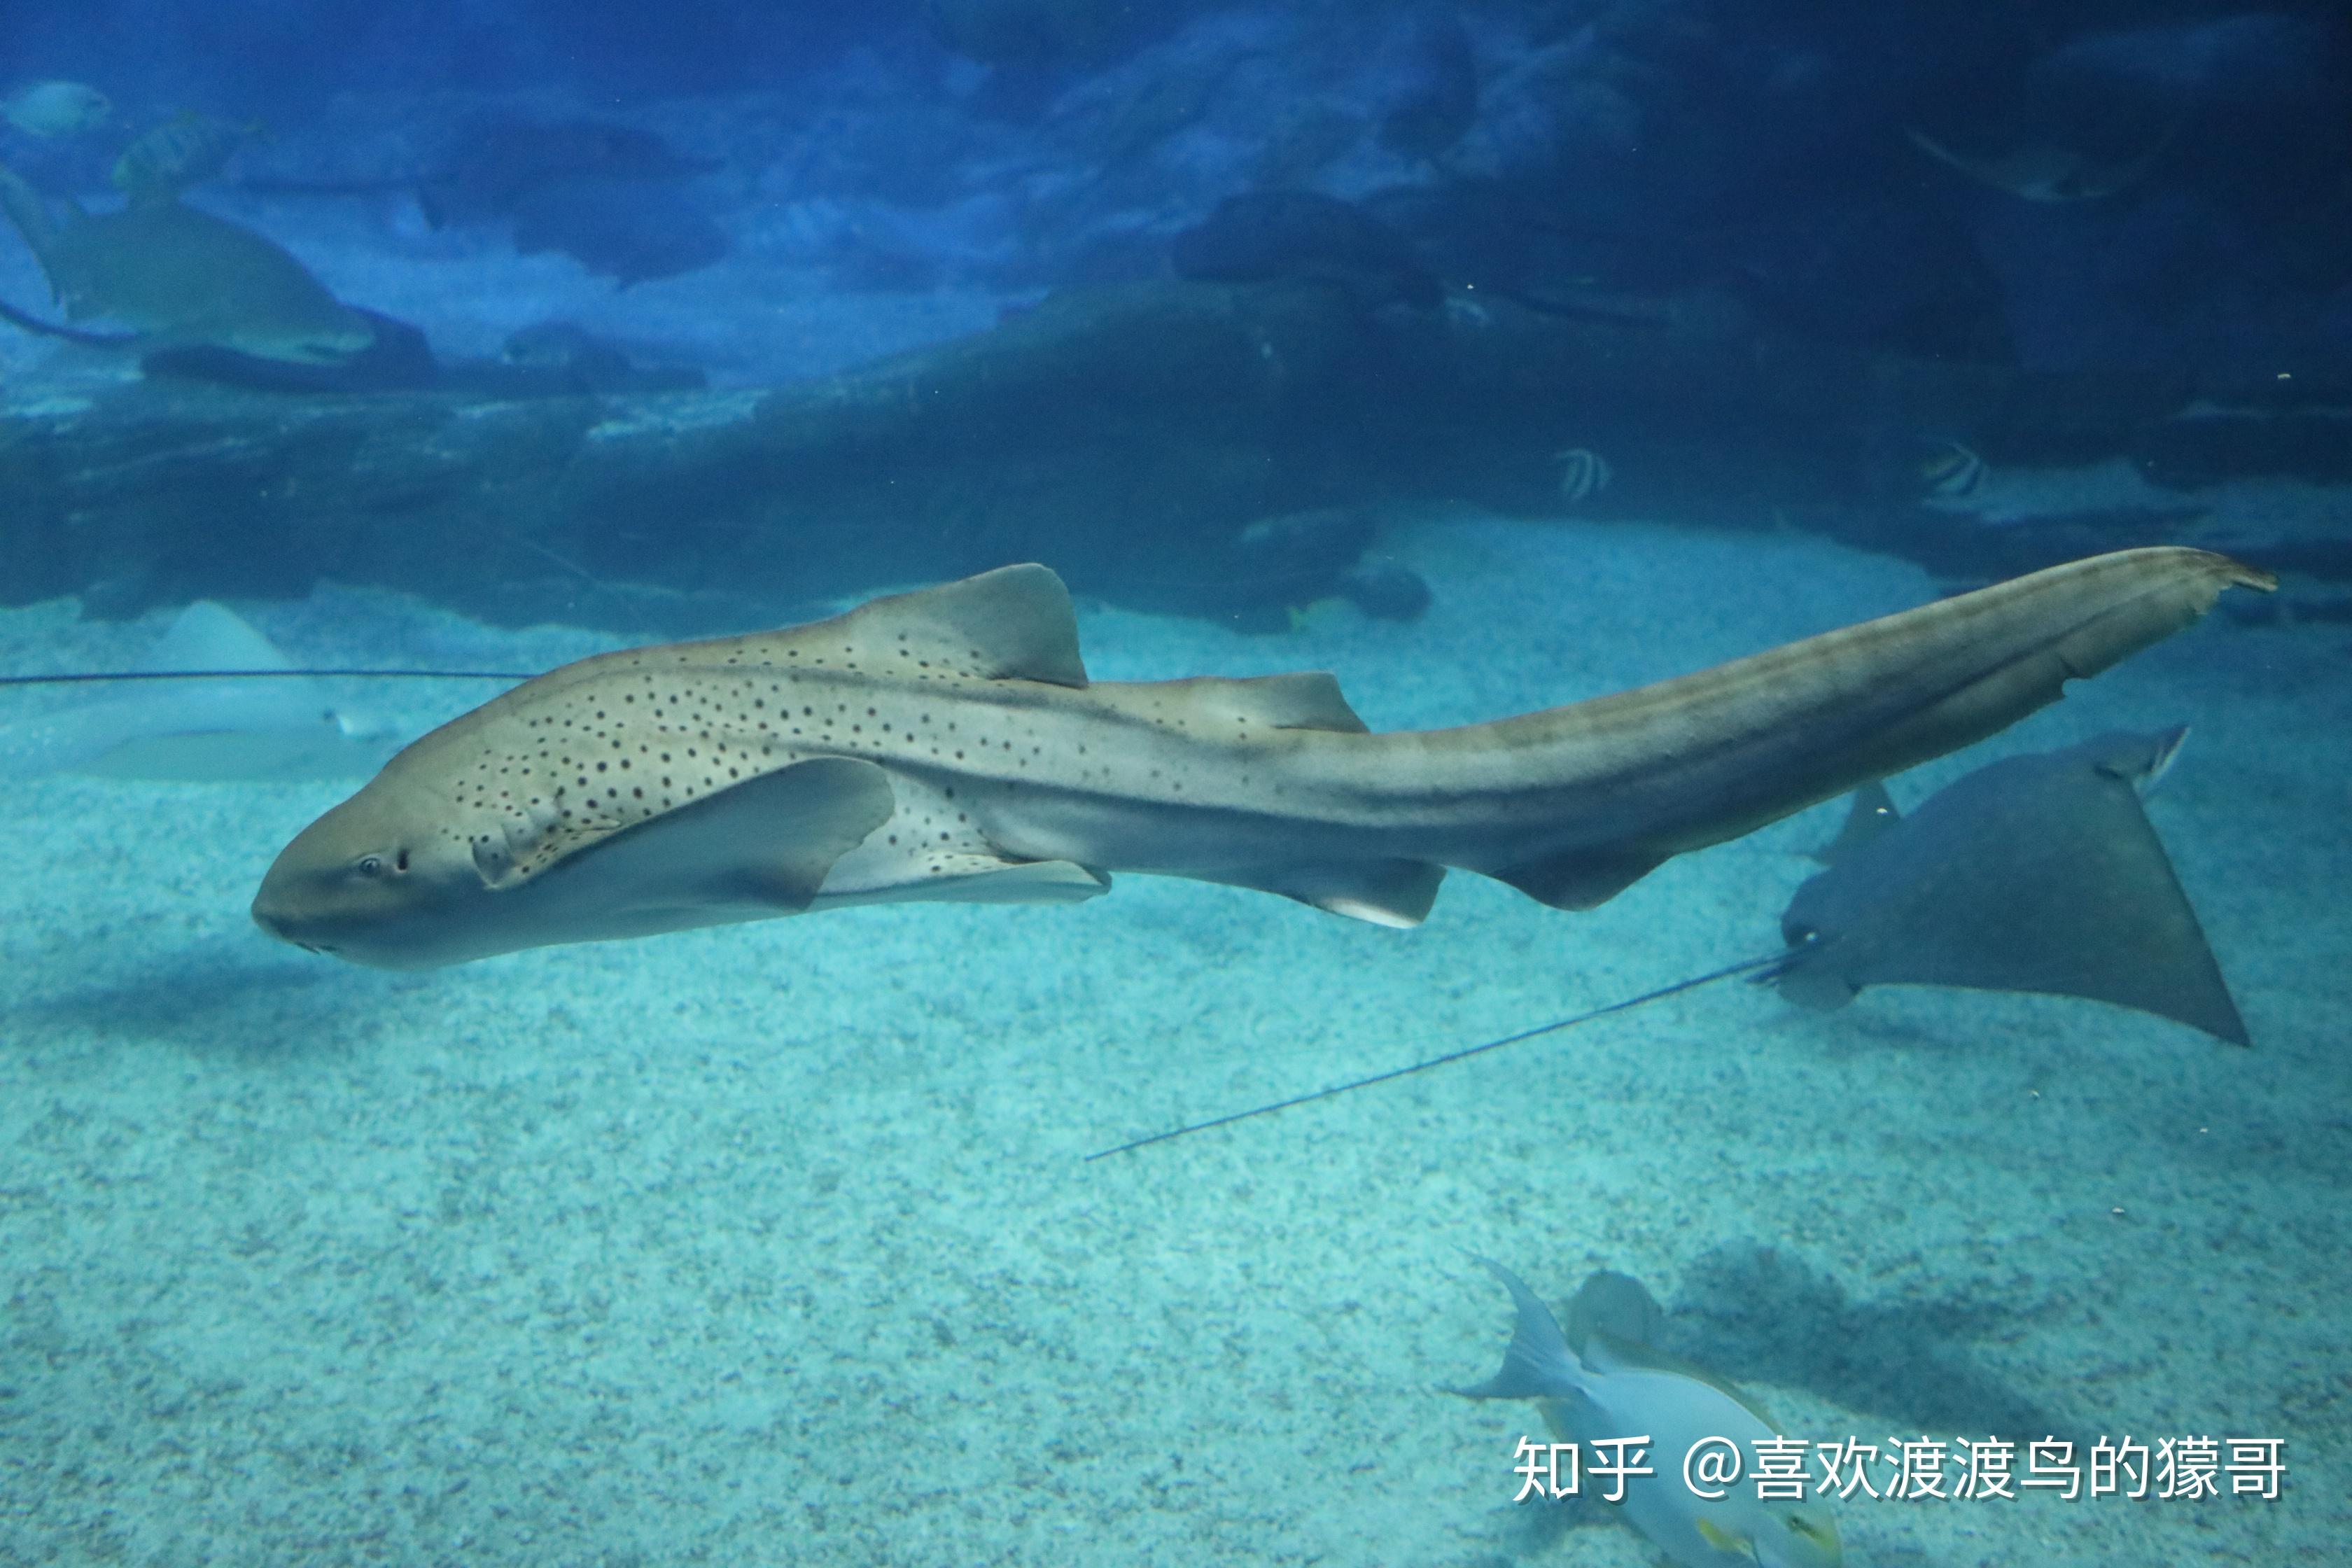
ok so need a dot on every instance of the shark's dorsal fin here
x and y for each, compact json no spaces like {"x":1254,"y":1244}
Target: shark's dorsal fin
{"x":1012,"y":624}
{"x":1302,"y":699}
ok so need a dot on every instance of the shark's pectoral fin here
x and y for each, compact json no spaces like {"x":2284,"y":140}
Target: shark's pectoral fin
{"x":1580,"y":879}
{"x":762,"y":846}
{"x":1394,"y":893}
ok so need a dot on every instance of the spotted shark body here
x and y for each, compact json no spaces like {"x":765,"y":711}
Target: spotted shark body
{"x":948,"y":744}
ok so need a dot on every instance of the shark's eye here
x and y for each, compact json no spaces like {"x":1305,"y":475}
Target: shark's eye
{"x":1802,"y":1527}
{"x":370,"y":866}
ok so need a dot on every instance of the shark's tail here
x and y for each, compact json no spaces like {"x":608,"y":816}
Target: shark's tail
{"x":1707,"y":757}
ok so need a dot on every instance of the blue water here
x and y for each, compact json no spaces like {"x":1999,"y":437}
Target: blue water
{"x":776,"y":1243}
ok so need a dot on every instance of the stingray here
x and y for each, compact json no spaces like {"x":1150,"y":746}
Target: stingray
{"x":194,"y":725}
{"x":197,"y":723}
{"x":202,"y":726}
{"x":2038,"y":873}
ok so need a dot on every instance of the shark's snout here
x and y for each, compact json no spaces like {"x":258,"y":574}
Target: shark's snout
{"x":272,"y":914}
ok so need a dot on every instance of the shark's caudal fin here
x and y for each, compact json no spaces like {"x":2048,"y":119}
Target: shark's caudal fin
{"x":1710,"y":756}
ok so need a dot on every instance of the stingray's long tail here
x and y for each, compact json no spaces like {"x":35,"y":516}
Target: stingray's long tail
{"x":1744,"y":966}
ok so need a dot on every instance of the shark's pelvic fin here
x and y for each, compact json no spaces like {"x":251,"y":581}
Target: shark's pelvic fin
{"x":1582,"y":878}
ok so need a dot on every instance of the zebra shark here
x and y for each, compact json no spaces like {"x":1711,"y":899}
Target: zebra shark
{"x":948,"y":744}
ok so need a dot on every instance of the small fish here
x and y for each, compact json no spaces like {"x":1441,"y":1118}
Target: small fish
{"x":53,"y":108}
{"x":2050,"y":174}
{"x":1608,"y":1381}
{"x":1583,"y":474}
{"x":1953,"y":471}
{"x":184,"y":151}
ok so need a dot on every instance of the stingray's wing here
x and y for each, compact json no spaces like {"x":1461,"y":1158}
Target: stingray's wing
{"x":2035,"y":874}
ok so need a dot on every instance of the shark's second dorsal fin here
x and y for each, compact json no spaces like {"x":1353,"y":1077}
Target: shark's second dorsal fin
{"x":1303,"y":699}
{"x":1012,"y":624}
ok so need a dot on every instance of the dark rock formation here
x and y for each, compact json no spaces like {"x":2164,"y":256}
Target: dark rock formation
{"x":1226,"y":451}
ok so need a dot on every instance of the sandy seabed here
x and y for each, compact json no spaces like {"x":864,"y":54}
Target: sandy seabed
{"x":773,"y":1245}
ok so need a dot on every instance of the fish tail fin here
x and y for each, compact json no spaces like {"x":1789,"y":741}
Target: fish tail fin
{"x":31,"y":215}
{"x":1538,"y":1363}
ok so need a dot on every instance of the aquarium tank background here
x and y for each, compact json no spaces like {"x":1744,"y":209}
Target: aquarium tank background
{"x":1319,"y":814}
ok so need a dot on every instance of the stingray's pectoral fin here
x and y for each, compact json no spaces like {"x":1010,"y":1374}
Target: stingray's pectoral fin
{"x":1394,"y":893}
{"x":762,"y":846}
{"x":1580,"y":879}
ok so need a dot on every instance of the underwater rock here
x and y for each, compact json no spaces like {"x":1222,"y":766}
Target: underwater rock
{"x":1031,"y":34}
{"x":629,"y":230}
{"x":563,"y":357}
{"x":1438,"y":96}
{"x":494,"y":165}
{"x":1218,"y":450}
{"x":1265,"y":235}
{"x":1387,"y":592}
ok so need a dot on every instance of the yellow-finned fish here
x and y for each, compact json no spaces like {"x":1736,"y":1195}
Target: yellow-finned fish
{"x":53,"y":108}
{"x":1611,"y":1384}
{"x":185,"y":149}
